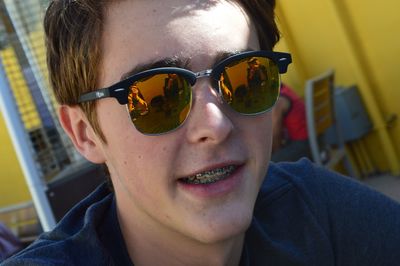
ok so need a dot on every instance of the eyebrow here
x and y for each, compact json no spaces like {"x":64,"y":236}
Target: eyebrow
{"x":176,"y":61}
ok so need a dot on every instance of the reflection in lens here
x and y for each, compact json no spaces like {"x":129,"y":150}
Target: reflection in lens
{"x":168,"y":97}
{"x":226,"y":89}
{"x":253,"y":84}
{"x":136,"y":104}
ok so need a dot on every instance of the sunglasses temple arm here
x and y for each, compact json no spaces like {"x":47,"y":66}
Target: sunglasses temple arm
{"x":284,"y":62}
{"x":94,"y":95}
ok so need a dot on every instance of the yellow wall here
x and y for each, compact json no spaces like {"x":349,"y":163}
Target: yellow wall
{"x":360,"y":39}
{"x":13,"y":188}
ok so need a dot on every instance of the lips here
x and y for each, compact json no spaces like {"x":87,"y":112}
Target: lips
{"x":210,"y":176}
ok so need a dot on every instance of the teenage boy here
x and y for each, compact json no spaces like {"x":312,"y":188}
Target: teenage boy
{"x":192,"y":188}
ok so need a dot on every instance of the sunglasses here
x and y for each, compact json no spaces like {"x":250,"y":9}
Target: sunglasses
{"x":159,"y":100}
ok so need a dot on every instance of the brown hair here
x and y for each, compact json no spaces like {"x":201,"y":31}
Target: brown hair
{"x":73,"y":31}
{"x":73,"y":36}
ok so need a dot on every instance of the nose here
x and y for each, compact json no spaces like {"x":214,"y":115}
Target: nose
{"x":208,"y":123}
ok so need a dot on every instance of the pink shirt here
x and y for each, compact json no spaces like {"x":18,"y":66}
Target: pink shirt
{"x":294,"y":121}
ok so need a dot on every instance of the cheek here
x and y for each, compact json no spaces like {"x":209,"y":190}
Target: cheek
{"x":125,"y":152}
{"x":139,"y":168}
{"x":259,"y":131}
{"x":136,"y":161}
{"x":258,"y":139}
{"x":138,"y":157}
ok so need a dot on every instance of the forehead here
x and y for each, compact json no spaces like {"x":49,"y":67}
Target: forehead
{"x":139,"y":31}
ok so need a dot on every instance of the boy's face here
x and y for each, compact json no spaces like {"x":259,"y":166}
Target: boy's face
{"x":147,"y":171}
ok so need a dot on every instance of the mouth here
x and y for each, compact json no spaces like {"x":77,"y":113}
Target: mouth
{"x":210,"y":176}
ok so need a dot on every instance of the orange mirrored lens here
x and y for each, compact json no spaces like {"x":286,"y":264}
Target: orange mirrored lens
{"x":251,"y":85}
{"x":159,"y":103}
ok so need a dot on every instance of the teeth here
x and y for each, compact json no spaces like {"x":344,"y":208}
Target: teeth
{"x":211,"y":176}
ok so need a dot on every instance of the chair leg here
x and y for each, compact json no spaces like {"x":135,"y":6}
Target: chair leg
{"x":349,"y":166}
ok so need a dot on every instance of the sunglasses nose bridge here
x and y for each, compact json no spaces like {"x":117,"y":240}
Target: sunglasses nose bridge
{"x":211,"y":74}
{"x":204,"y":73}
{"x":207,"y":73}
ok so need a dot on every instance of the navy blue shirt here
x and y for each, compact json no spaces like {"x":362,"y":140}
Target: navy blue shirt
{"x":304,"y":215}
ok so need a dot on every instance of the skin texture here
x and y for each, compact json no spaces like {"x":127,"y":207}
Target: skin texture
{"x":278,"y":114}
{"x":160,"y":219}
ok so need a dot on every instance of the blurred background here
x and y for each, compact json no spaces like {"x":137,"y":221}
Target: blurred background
{"x":360,"y":40}
{"x":41,"y":175}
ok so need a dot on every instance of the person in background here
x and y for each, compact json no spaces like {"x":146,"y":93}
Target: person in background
{"x":9,"y":243}
{"x":199,"y":190}
{"x":136,"y":102}
{"x":290,"y":139}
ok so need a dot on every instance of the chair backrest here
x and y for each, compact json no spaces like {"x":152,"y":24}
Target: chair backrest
{"x":320,"y":111}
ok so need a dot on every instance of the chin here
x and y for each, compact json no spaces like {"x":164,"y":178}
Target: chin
{"x":223,"y":228}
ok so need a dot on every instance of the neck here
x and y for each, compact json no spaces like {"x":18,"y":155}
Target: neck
{"x":148,"y":244}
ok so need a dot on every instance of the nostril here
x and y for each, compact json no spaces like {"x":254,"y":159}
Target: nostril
{"x":204,"y":139}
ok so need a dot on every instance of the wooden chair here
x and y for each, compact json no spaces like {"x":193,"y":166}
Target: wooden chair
{"x":319,"y":101}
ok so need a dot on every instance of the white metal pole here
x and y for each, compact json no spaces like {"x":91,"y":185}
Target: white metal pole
{"x":23,"y":150}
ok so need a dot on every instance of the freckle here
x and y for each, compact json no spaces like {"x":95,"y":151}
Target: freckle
{"x":125,"y":162}
{"x":154,"y":10}
{"x":164,"y":149}
{"x":140,"y":157}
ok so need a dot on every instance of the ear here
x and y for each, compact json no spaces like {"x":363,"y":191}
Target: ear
{"x":81,"y":133}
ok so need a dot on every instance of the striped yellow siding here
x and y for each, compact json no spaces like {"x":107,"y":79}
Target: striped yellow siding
{"x":27,"y":108}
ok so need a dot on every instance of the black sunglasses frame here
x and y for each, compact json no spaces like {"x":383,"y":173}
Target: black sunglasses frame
{"x":120,"y":90}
